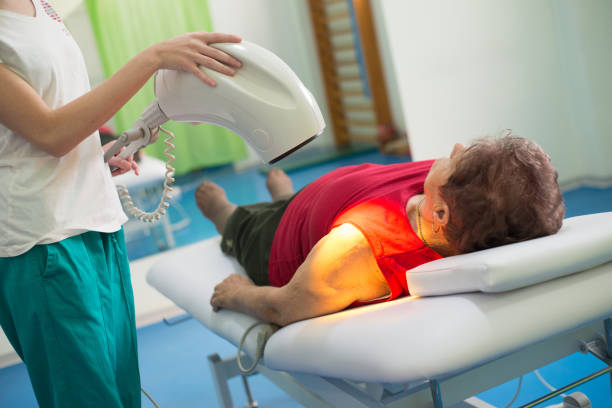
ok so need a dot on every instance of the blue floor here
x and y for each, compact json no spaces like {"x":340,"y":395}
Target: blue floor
{"x":173,"y":359}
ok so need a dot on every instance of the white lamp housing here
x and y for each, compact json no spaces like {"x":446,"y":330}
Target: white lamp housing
{"x":265,"y":103}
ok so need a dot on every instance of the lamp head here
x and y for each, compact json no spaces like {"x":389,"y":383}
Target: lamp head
{"x":265,"y":103}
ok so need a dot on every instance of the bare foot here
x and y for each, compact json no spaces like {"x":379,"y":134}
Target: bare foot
{"x":213,"y":203}
{"x":279,"y":184}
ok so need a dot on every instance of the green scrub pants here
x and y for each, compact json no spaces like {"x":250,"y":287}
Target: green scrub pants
{"x":68,"y":310}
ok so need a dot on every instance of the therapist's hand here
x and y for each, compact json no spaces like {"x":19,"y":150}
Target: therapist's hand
{"x":188,"y":51}
{"x":227,"y":292}
{"x":119,"y":164}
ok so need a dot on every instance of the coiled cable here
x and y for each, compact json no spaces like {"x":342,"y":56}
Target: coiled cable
{"x":164,"y":202}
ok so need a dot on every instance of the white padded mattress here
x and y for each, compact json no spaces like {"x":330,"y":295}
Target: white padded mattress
{"x":402,"y":341}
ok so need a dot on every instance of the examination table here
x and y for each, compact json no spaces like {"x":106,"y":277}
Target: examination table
{"x":474,"y":321}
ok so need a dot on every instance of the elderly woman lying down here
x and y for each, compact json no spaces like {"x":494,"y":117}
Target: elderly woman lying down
{"x":348,"y":238}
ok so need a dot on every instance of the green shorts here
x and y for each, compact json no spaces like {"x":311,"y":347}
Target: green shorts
{"x":68,"y":310}
{"x":248,"y":236}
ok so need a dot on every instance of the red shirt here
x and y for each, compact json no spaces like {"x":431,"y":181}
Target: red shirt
{"x":371,"y":197}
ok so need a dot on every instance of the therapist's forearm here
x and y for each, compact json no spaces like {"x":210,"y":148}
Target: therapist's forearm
{"x":69,"y":125}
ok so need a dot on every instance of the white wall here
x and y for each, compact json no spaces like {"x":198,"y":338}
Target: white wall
{"x":586,"y":33}
{"x":469,"y":68}
{"x":388,"y":66}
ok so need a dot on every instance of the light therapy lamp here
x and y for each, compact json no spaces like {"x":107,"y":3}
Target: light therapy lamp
{"x":264,"y":103}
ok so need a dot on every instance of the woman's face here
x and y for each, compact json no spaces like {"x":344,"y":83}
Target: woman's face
{"x":438,"y":176}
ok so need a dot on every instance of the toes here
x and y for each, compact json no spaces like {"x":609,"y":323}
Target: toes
{"x":274,"y":175}
{"x":207,"y":191}
{"x":276,"y":172}
{"x":270,"y":174}
{"x":207,"y":187}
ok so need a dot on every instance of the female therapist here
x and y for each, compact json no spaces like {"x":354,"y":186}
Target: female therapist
{"x":66,"y":302}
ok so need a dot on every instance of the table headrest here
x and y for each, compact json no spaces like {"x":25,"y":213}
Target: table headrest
{"x":582,"y":243}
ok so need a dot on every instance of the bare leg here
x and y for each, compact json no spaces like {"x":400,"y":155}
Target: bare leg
{"x":213,"y":203}
{"x":279,"y":184}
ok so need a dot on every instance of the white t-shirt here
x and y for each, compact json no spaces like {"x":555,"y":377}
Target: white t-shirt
{"x":45,"y":199}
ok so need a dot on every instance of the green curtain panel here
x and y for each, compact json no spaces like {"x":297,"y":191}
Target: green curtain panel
{"x":124,"y":28}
